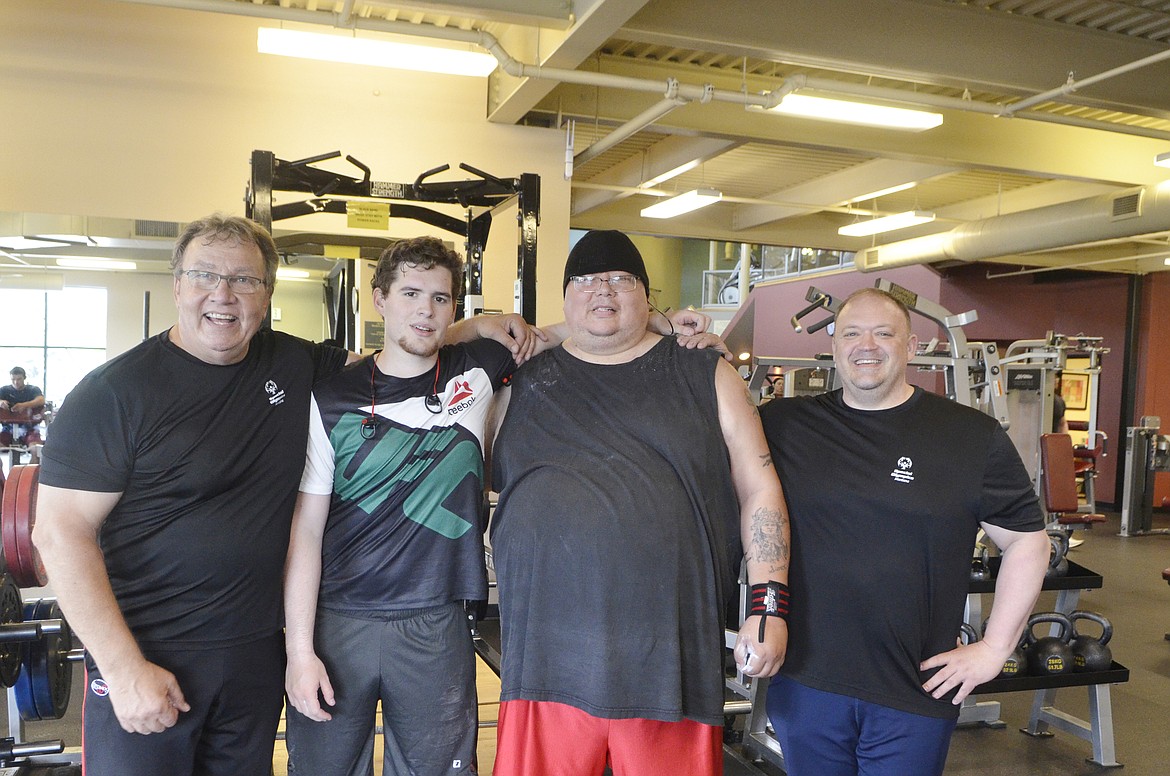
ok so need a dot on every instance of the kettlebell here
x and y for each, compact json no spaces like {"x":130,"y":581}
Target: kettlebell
{"x":1057,"y":562}
{"x":1091,"y":654}
{"x":1049,"y":655}
{"x":980,"y":567}
{"x":1016,"y":663}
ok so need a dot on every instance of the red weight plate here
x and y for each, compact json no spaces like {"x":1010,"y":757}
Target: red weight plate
{"x":3,"y":562}
{"x":8,"y":516}
{"x":32,"y":571}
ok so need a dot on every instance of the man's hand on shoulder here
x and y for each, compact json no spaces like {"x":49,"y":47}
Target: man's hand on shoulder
{"x":706,"y":340}
{"x":513,"y":332}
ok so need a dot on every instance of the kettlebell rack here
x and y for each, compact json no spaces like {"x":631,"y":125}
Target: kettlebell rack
{"x":1098,"y":729}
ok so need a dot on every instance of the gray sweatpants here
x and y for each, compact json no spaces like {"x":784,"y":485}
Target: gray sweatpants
{"x":422,"y":667}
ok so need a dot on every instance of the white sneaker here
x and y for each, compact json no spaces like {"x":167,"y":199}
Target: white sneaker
{"x":1074,"y":542}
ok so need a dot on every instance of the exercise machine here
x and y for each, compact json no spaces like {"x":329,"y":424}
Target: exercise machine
{"x":480,"y":198}
{"x":1146,"y":452}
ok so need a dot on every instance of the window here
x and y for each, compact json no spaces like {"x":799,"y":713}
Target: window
{"x":768,"y":262}
{"x":57,"y":336}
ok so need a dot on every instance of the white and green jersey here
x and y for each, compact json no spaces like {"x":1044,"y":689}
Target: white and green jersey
{"x":406,"y":522}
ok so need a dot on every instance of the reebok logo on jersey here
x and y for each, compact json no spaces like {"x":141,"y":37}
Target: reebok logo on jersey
{"x":99,"y":687}
{"x":463,"y":398}
{"x":904,"y":472}
{"x":275,"y":395}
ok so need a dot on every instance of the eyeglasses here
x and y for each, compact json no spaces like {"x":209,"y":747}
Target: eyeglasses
{"x":618,"y":283}
{"x":209,"y":281}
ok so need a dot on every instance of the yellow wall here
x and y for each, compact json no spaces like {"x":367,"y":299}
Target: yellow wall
{"x":128,"y":111}
{"x":663,"y":257}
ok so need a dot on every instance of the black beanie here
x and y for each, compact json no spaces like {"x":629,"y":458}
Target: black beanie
{"x":605,"y":250}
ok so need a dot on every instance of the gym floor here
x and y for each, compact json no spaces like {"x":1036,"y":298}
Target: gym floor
{"x":1134,"y":598}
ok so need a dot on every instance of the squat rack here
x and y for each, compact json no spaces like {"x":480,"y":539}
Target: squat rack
{"x":332,"y":192}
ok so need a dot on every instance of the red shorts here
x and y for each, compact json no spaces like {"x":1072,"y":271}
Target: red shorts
{"x":553,"y":739}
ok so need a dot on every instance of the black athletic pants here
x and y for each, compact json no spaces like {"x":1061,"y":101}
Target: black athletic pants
{"x":235,"y":694}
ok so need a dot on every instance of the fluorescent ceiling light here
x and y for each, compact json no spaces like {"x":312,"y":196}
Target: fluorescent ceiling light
{"x":683,"y":203}
{"x":850,"y":112}
{"x":286,"y":273}
{"x":886,"y":224}
{"x":95,"y":263}
{"x":1162,"y":159}
{"x":16,"y":243}
{"x":677,"y":171}
{"x":882,"y":192}
{"x":367,"y":51}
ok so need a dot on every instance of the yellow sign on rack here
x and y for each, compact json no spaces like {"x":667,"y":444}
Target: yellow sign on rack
{"x":342,"y":252}
{"x":367,"y":215}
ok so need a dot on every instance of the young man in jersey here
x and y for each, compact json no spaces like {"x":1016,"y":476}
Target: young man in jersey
{"x":387,"y":537}
{"x":625,"y":466}
{"x":887,"y":485}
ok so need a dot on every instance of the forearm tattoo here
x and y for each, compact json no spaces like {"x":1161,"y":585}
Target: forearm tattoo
{"x":767,"y":461}
{"x":747,"y":395}
{"x":768,"y":542}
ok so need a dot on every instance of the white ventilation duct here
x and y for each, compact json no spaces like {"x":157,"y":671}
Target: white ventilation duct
{"x":1122,"y":214}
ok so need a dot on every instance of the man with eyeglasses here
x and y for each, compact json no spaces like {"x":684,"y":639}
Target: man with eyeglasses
{"x":626,"y":467}
{"x":166,"y":498}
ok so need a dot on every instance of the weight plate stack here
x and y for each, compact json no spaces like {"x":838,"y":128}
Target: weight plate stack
{"x":11,"y":610}
{"x":46,"y":683}
{"x":22,"y":689}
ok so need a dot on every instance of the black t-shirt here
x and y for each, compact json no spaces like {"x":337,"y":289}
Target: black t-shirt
{"x":885,"y":506}
{"x":207,"y":459}
{"x":13,"y":395}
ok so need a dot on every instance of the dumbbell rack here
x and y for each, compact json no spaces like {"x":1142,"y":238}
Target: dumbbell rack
{"x":1098,"y":730}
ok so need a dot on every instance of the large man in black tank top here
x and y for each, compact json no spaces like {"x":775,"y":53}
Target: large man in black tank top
{"x":629,"y":471}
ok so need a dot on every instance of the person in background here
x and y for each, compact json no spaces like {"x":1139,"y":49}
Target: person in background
{"x":20,"y":398}
{"x":887,"y":486}
{"x":1059,"y":421}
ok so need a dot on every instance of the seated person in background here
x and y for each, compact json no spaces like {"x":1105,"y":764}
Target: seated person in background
{"x":20,"y":398}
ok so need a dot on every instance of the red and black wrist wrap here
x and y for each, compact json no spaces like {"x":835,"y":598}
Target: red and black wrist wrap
{"x":769,"y":599}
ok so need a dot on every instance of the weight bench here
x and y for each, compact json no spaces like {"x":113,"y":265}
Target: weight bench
{"x":1059,"y":481}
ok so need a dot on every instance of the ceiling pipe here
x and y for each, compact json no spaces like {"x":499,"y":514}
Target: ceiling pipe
{"x":1077,"y":265}
{"x":670,"y":102}
{"x":690,"y":92}
{"x":1128,"y":213}
{"x":1072,"y":85}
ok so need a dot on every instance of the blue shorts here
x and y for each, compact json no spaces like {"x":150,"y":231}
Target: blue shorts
{"x":825,"y":734}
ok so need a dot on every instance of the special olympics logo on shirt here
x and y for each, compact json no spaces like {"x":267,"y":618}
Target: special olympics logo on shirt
{"x":904,"y":472}
{"x":99,"y":687}
{"x":275,"y":396}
